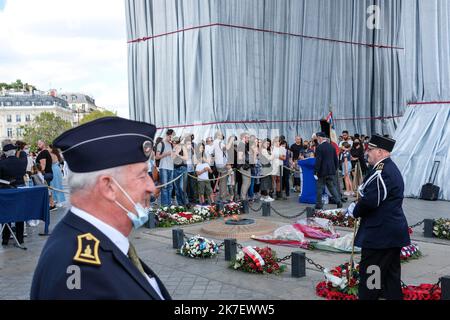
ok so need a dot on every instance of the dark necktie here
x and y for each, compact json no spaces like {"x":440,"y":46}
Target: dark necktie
{"x":135,"y":259}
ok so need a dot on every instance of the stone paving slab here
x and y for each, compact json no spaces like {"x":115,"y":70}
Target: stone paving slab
{"x":212,"y":279}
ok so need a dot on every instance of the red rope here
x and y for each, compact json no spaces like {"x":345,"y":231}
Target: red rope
{"x":428,"y":102}
{"x":381,"y":46}
{"x":271,"y":121}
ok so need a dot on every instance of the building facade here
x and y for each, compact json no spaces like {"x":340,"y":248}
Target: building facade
{"x":20,"y":109}
{"x":80,"y":103}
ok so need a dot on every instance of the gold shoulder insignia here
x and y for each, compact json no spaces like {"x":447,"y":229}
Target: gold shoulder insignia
{"x":380,"y":166}
{"x":87,"y":251}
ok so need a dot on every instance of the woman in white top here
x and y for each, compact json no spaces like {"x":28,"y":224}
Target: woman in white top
{"x":279,"y":154}
{"x":266,"y":159}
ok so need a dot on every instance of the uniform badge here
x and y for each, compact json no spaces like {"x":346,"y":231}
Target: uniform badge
{"x":87,"y":251}
{"x":380,"y":166}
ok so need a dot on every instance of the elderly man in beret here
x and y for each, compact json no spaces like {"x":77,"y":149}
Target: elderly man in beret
{"x":383,"y":230}
{"x":88,"y":255}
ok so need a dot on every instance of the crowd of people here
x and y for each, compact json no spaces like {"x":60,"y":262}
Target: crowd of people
{"x":244,"y":167}
{"x":215,"y":169}
{"x":20,"y":168}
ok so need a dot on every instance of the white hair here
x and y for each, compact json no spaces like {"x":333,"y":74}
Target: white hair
{"x":10,"y":153}
{"x":86,"y":180}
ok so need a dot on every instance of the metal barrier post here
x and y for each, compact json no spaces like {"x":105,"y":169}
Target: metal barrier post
{"x":177,"y":238}
{"x":230,"y":249}
{"x":298,"y":264}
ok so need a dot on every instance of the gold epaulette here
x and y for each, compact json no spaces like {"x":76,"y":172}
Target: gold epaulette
{"x":87,"y":251}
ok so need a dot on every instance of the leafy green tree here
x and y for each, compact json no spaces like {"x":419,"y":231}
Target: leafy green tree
{"x":18,"y":85}
{"x":46,"y":127}
{"x":96,"y":115}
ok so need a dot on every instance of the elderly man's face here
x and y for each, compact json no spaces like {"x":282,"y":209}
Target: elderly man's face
{"x":138,"y":184}
{"x":375,"y":155}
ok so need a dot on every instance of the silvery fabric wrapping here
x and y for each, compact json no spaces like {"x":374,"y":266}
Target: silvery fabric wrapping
{"x":219,"y":73}
{"x":224,"y":74}
{"x":423,"y":135}
{"x":422,"y":138}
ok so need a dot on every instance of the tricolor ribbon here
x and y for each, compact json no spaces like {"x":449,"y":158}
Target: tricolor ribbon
{"x":254,"y":255}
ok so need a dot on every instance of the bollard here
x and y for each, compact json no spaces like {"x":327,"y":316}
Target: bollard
{"x":230,"y":249}
{"x":310,"y":211}
{"x":177,"y":238}
{"x":245,"y":206}
{"x":445,"y":288}
{"x":151,"y":223}
{"x":298,"y":264}
{"x":266,"y":209}
{"x":428,"y":228}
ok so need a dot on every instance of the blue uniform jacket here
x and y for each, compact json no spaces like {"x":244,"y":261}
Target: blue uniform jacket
{"x":326,"y":160}
{"x":114,"y":278}
{"x":383,"y":223}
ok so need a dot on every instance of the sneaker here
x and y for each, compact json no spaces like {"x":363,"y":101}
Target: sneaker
{"x":268,"y":199}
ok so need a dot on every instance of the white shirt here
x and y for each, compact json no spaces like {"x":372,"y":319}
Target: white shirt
{"x":219,"y":154}
{"x":115,"y":236}
{"x":200,"y":167}
{"x":209,"y":151}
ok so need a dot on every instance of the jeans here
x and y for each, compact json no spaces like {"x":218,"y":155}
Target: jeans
{"x":246,"y":181}
{"x":330,"y":182}
{"x":192,"y":188}
{"x":181,"y":198}
{"x":251,"y":191}
{"x":223,"y":189}
{"x":165,"y":176}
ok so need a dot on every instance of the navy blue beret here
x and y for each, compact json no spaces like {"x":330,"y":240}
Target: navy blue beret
{"x":321,"y":134}
{"x":106,"y":143}
{"x":377,"y":141}
{"x":8,"y":147}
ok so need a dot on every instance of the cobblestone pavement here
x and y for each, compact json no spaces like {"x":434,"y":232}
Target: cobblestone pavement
{"x":211,"y":279}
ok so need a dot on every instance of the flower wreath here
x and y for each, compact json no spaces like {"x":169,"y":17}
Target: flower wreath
{"x":338,"y":287}
{"x":257,"y":260}
{"x":199,"y":247}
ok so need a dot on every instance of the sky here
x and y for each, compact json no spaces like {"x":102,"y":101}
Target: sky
{"x":67,"y":45}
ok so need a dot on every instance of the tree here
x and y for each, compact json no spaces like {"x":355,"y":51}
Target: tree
{"x":17,"y":86}
{"x":96,"y":114}
{"x":46,"y":127}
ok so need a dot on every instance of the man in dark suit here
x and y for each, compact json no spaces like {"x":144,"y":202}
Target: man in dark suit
{"x":383,"y":230}
{"x":325,"y":170}
{"x":13,"y":169}
{"x":88,"y":255}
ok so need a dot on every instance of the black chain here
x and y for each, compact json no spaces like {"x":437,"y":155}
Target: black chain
{"x":417,"y":224}
{"x":403,"y":284}
{"x":255,"y":210}
{"x":318,"y":266}
{"x":288,"y":217}
{"x":436,"y":285}
{"x":239,"y":246}
{"x":284,"y":259}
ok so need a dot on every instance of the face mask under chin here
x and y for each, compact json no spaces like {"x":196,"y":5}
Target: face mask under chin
{"x":141,"y":216}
